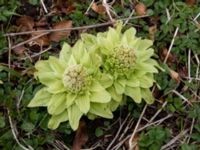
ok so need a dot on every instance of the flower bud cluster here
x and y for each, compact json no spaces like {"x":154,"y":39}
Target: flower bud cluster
{"x":76,"y":79}
{"x":122,"y":60}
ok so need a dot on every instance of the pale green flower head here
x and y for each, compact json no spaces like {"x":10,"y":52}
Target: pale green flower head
{"x":73,"y":86}
{"x":128,"y":59}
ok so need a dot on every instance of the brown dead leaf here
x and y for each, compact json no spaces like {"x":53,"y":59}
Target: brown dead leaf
{"x":100,"y":9}
{"x":140,"y":9}
{"x":63,"y":6}
{"x":190,"y":2}
{"x":175,"y":75}
{"x":19,"y":50}
{"x":182,"y":70}
{"x":81,"y":136}
{"x":171,"y":58}
{"x":152,"y":32}
{"x":134,"y":141}
{"x":42,"y":41}
{"x":57,"y":36}
{"x":68,"y":9}
{"x":41,"y":22}
{"x":25,"y":23}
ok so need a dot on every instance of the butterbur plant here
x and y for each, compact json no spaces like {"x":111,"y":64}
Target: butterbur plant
{"x":73,"y":86}
{"x":92,"y":77}
{"x":128,"y":59}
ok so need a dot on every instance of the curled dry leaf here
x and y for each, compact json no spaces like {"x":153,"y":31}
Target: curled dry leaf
{"x":42,"y":41}
{"x":190,"y":2}
{"x":152,"y":32}
{"x":171,"y":58}
{"x":100,"y":9}
{"x":134,"y":142}
{"x":69,"y":9}
{"x":63,"y":6}
{"x":140,"y":9}
{"x":175,"y":75}
{"x":25,"y":23}
{"x":19,"y":50}
{"x":57,"y":36}
{"x":81,"y":136}
{"x":41,"y":22}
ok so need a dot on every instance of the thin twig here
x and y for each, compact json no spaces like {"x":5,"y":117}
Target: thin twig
{"x":198,"y":65}
{"x":19,"y":100}
{"x":141,"y":129}
{"x":121,"y":143}
{"x":133,"y":11}
{"x":182,"y":97}
{"x":196,"y":17}
{"x":131,"y":146}
{"x":157,"y":122}
{"x":38,"y":54}
{"x":29,"y":40}
{"x":168,"y":15}
{"x":129,"y":125}
{"x":156,"y":114}
{"x":89,"y":7}
{"x":180,"y":135}
{"x":9,"y":56}
{"x":44,"y":7}
{"x":14,"y":133}
{"x":105,"y":4}
{"x":191,"y":129}
{"x":118,"y":132}
{"x":74,"y":28}
{"x":171,"y":45}
{"x":189,"y":65}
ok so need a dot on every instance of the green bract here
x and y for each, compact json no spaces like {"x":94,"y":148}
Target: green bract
{"x":74,"y":86}
{"x":128,"y":59}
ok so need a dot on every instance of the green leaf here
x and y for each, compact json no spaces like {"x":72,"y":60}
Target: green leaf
{"x":133,"y":81}
{"x":72,"y":61}
{"x":78,"y":50}
{"x":147,"y":67}
{"x":74,"y":115}
{"x":83,"y":102}
{"x":70,"y":97}
{"x":27,"y":126}
{"x":115,"y":96}
{"x":56,"y":66}
{"x":145,"y":55}
{"x":185,"y":146}
{"x":106,"y":80}
{"x":57,"y":104}
{"x":96,"y":86}
{"x":43,"y":66}
{"x":146,"y":81}
{"x":128,"y":36}
{"x":41,"y":98}
{"x":113,"y":105}
{"x":65,"y":53}
{"x":147,"y":95}
{"x":98,"y":132}
{"x":134,"y":93}
{"x":119,"y":87}
{"x":100,"y":96}
{"x":56,"y":87}
{"x":2,"y":121}
{"x":144,"y":44}
{"x":89,"y":41}
{"x":55,"y":120}
{"x":101,"y":110}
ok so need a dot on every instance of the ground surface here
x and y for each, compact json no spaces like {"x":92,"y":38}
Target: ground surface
{"x":172,"y":122}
